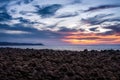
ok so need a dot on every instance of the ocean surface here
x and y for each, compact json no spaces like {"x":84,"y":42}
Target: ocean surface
{"x":72,"y":48}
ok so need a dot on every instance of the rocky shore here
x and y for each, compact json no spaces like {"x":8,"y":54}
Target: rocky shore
{"x":30,"y":64}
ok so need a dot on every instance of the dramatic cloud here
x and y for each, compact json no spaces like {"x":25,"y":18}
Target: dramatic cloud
{"x":60,"y":22}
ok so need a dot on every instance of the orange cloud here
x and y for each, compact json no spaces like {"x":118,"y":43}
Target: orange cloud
{"x":91,"y":38}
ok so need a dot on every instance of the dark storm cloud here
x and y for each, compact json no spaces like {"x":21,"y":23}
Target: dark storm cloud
{"x":67,"y":15}
{"x":102,"y":7}
{"x":48,"y":11}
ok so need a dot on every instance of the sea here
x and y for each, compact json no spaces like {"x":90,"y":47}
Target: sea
{"x":72,"y":48}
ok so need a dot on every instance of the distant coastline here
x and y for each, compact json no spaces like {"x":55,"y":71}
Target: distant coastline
{"x":19,"y":44}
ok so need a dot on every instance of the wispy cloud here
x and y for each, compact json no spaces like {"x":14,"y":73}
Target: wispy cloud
{"x":14,"y":32}
{"x":101,"y":7}
{"x":99,"y":19}
{"x":67,"y":15}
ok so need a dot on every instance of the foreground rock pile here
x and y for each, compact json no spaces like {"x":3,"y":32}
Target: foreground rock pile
{"x":30,"y":64}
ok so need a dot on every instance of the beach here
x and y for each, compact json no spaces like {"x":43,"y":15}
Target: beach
{"x":48,"y":64}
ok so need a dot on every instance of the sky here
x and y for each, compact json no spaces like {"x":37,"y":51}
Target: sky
{"x":60,"y":22}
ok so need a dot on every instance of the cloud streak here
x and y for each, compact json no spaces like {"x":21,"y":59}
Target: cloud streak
{"x":100,"y":19}
{"x":101,"y":7}
{"x":67,"y":15}
{"x":14,"y":32}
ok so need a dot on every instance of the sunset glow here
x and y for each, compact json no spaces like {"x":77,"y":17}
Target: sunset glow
{"x":91,"y":38}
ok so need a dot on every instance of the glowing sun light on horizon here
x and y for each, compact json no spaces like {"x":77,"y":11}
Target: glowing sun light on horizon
{"x":91,"y":39}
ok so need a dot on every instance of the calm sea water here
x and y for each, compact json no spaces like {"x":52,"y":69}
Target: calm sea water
{"x":73,"y":48}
